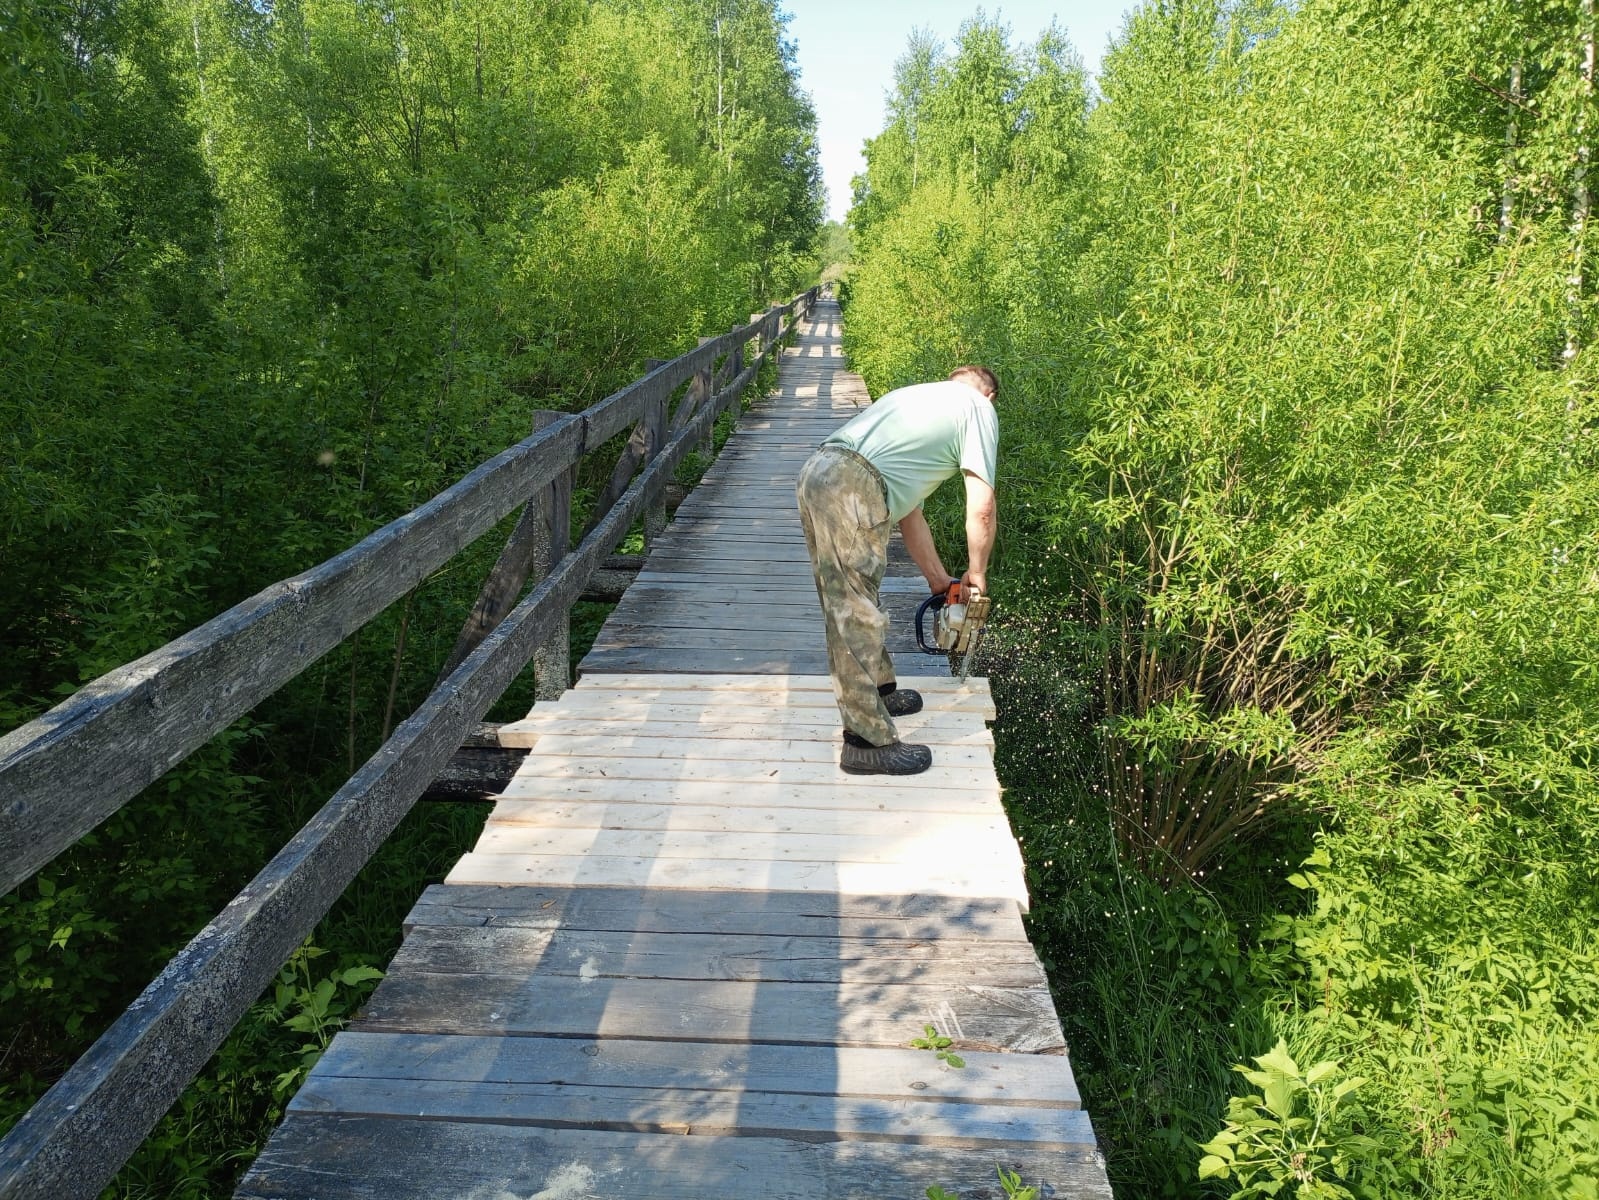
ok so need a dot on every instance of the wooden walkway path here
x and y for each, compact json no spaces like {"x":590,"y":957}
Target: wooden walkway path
{"x":688,"y":956}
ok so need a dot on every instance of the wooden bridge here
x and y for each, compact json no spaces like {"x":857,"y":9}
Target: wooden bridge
{"x":688,"y":957}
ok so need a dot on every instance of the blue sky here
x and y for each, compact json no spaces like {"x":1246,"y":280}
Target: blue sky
{"x":847,"y":50}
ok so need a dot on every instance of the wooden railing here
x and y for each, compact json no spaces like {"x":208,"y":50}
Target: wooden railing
{"x":64,"y":773}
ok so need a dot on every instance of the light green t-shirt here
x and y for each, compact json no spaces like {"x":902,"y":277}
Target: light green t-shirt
{"x":919,"y":436}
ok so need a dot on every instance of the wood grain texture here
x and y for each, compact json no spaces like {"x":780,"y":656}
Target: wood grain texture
{"x":370,"y":1158}
{"x":775,"y":912}
{"x":883,"y":794}
{"x":974,"y":1016}
{"x":594,"y":954}
{"x":979,"y":879}
{"x":1034,"y":1080}
{"x":678,"y":1110}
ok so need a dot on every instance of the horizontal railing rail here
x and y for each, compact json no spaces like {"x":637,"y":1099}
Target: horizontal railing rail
{"x":67,"y":771}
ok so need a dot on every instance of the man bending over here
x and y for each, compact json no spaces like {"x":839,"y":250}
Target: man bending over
{"x":873,"y":472}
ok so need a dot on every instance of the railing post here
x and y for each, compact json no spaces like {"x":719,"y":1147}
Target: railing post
{"x":735,"y":360}
{"x":700,"y":393}
{"x":552,"y":657}
{"x":655,"y":439}
{"x":520,"y":560}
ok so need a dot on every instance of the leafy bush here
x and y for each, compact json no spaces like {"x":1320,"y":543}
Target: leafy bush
{"x":1302,"y":520}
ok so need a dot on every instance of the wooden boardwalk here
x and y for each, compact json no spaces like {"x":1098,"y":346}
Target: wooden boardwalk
{"x":688,"y":956}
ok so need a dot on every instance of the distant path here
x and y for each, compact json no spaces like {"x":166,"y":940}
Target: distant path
{"x":728,"y":587}
{"x":688,"y":956}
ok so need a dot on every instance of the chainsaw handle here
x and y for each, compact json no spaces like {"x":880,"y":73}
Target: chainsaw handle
{"x":932,"y":604}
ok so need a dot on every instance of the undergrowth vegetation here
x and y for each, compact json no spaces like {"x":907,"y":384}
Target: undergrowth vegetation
{"x":271,"y":275}
{"x":1300,"y":488}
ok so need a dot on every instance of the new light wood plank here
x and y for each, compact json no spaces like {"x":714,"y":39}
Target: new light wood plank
{"x":930,"y":843}
{"x":811,"y":681}
{"x":935,"y":728}
{"x":728,"y":770}
{"x":740,"y":818}
{"x":978,"y":879}
{"x":614,"y":746}
{"x":883,"y":795}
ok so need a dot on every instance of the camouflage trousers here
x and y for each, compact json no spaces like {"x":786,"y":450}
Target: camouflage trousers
{"x":844,"y":508}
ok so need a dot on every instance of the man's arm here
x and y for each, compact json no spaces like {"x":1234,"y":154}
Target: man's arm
{"x":918,"y":540}
{"x":982,"y":523}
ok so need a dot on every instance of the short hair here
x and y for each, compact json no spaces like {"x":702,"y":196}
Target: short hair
{"x":980,"y":378}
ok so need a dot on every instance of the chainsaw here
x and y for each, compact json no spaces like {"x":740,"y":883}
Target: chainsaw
{"x":959,"y":616}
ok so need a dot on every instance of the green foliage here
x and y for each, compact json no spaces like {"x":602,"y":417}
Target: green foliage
{"x":314,"y":1009}
{"x":932,"y":1040}
{"x":271,"y":276}
{"x":1009,"y":1181}
{"x":1290,"y":1137}
{"x":1301,"y":534}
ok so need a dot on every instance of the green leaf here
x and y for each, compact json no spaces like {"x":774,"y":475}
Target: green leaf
{"x":1320,"y":1071}
{"x":1276,"y":1059}
{"x":1214,"y":1167}
{"x":1280,"y":1097}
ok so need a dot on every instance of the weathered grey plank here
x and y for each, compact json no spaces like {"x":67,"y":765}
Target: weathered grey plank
{"x":475,"y":773}
{"x":563,"y":1105}
{"x":775,"y":913}
{"x":757,"y":958}
{"x":624,"y":637}
{"x":684,"y":611}
{"x":701,"y":661}
{"x":364,"y":1158}
{"x":975,"y":1016}
{"x":1034,"y":1080}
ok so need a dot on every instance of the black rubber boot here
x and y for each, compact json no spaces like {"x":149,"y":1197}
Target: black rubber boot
{"x":900,"y":702}
{"x":860,"y":757}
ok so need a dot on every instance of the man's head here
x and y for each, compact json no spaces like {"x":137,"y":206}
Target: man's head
{"x":980,"y":378}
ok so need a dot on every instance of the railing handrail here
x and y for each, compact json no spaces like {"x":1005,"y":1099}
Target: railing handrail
{"x":72,"y":1142}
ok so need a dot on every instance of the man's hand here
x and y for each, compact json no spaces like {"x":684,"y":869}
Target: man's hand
{"x":976,"y":581}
